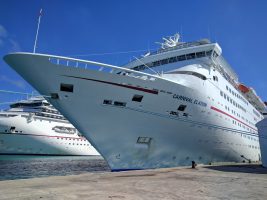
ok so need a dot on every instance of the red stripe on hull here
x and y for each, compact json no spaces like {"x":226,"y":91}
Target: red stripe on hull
{"x":121,"y":85}
{"x":220,"y":111}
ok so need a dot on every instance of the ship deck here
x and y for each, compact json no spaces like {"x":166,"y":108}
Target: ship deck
{"x":205,"y":182}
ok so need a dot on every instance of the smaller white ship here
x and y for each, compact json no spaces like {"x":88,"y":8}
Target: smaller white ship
{"x":34,"y":127}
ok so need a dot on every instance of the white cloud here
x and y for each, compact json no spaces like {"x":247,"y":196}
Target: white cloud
{"x":7,"y":40}
{"x":3,"y":32}
{"x":14,"y":45}
{"x":18,"y":83}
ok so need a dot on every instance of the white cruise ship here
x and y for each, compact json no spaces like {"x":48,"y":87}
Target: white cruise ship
{"x":190,"y":108}
{"x":34,"y":127}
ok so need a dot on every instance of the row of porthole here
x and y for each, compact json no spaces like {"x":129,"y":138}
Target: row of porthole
{"x":235,"y":94}
{"x":234,"y":122}
{"x":78,"y":144}
{"x":250,"y":146}
{"x":70,"y":139}
{"x":235,"y":113}
{"x":226,"y":97}
{"x":8,"y":131}
{"x":251,"y":138}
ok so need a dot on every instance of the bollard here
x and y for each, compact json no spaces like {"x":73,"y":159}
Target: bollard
{"x":194,"y":164}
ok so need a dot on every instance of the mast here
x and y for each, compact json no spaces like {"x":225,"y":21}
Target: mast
{"x":36,"y":37}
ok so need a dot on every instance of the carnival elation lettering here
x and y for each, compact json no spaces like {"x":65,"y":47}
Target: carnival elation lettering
{"x":190,"y":100}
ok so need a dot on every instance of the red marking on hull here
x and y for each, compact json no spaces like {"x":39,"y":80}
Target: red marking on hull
{"x":220,"y":111}
{"x":51,"y":136}
{"x":120,"y":85}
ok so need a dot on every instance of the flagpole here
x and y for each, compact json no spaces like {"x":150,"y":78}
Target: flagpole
{"x":36,"y":37}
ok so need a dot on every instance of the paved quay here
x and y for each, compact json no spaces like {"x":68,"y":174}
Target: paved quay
{"x":204,"y":182}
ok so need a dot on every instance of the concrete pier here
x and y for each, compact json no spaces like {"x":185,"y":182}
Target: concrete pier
{"x":204,"y":182}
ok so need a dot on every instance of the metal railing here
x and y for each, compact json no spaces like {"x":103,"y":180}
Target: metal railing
{"x":92,"y":65}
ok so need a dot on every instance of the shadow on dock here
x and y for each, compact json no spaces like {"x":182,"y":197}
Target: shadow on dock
{"x":242,"y":168}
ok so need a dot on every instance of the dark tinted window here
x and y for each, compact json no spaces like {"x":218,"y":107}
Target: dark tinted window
{"x":137,"y":98}
{"x":181,"y":107}
{"x":117,"y":103}
{"x":66,"y":87}
{"x":107,"y":102}
{"x":189,"y":73}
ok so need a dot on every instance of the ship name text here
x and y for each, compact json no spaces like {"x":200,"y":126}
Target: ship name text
{"x":190,"y":100}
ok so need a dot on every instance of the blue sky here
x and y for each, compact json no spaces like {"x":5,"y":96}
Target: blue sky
{"x":84,"y":27}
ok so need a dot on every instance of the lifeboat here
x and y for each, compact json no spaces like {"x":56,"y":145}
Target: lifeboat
{"x":243,"y":88}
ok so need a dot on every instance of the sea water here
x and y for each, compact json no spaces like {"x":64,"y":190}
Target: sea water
{"x":23,"y":167}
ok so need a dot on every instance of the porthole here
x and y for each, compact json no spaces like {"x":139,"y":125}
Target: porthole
{"x":137,"y":98}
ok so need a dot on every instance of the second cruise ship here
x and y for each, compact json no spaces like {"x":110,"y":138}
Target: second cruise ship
{"x":192,"y":106}
{"x":34,"y":127}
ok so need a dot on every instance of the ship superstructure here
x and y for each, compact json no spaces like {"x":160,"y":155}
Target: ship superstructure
{"x":190,"y":108}
{"x":35,"y":127}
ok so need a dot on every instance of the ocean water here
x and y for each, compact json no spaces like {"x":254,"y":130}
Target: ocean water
{"x":23,"y":167}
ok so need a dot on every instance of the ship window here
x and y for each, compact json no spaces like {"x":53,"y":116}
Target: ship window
{"x":221,"y":93}
{"x":215,"y":54}
{"x":164,"y":61}
{"x":66,"y":87}
{"x":208,"y":53}
{"x":180,"y":58}
{"x":189,"y":73}
{"x":190,"y":56}
{"x":173,"y":59}
{"x":137,"y":98}
{"x":117,"y":103}
{"x":181,"y":107}
{"x":200,"y":54}
{"x":109,"y":102}
{"x":144,"y":140}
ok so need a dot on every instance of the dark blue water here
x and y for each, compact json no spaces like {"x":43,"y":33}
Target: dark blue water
{"x":23,"y":167}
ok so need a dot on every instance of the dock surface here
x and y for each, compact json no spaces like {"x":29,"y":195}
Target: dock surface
{"x":204,"y":182}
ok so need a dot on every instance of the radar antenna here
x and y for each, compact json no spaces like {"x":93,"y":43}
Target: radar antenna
{"x":170,"y":41}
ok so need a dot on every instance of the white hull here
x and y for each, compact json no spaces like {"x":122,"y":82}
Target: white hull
{"x":202,"y":136}
{"x":36,"y":137}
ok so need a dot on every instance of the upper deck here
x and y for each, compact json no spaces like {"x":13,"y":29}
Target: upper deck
{"x":173,"y":51}
{"x":184,"y":53}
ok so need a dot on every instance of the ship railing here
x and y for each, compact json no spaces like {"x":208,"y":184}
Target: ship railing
{"x":102,"y":67}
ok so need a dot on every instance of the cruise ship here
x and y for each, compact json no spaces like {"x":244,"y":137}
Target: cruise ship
{"x":35,"y":127}
{"x":167,"y":108}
